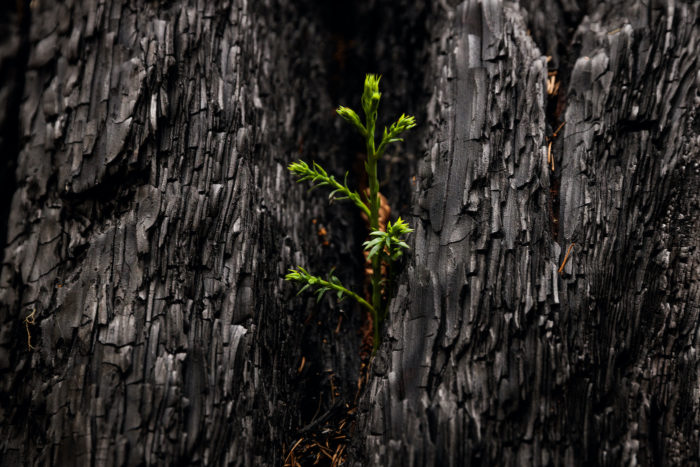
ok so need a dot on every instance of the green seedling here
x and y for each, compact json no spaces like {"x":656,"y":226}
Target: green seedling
{"x":385,"y":247}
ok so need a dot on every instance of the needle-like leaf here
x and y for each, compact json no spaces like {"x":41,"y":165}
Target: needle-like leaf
{"x":318,"y":176}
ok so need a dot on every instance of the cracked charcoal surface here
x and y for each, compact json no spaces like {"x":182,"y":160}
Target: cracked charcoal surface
{"x":152,"y":225}
{"x":153,"y":220}
{"x":492,"y":357}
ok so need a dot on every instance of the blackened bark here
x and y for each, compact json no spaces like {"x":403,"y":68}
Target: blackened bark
{"x":150,"y":231}
{"x":153,"y":222}
{"x":13,"y":60}
{"x":492,"y":356}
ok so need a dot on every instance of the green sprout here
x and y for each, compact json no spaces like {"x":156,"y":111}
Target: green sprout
{"x":384,"y":246}
{"x":388,"y":244}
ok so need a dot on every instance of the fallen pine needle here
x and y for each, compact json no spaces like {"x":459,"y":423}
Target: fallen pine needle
{"x":337,"y":457}
{"x":559,"y":128}
{"x":552,"y":162}
{"x":292,"y":450}
{"x":337,"y":329}
{"x":566,"y":257}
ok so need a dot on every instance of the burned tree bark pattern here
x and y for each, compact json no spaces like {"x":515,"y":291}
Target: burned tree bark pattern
{"x":492,"y":356}
{"x":154,"y":219}
{"x":629,"y":201}
{"x":152,"y":224}
{"x":13,"y":59}
{"x":471,"y":325}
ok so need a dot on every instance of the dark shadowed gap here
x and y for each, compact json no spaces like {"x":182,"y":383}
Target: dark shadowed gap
{"x":14,"y":54}
{"x":331,"y":332}
{"x":381,"y":37}
{"x":552,"y":25}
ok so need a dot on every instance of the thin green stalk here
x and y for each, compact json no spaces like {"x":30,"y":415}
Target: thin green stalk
{"x":370,"y":104}
{"x":300,"y":274}
{"x":374,"y":225}
{"x":350,"y":293}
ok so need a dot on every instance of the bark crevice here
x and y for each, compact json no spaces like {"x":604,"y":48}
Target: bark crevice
{"x":153,"y":220}
{"x":14,"y":56}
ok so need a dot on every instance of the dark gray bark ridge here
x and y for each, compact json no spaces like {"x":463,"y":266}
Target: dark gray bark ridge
{"x":149,"y":221}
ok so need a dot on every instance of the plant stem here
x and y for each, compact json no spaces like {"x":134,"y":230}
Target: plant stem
{"x":350,"y":293}
{"x":371,"y":167}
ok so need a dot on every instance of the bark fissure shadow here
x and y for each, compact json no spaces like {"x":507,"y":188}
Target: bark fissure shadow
{"x":14,"y":57}
{"x":359,"y":41}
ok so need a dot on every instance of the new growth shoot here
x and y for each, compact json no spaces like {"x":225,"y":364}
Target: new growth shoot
{"x":384,"y":246}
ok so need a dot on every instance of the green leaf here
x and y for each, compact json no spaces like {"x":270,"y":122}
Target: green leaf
{"x":371,"y":95}
{"x":404,"y":123}
{"x":349,"y":115}
{"x":374,"y":251}
{"x":370,"y":243}
{"x":318,"y":177}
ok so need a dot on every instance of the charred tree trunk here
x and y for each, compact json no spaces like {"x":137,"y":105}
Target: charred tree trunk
{"x":496,"y":355}
{"x":151,"y":227}
{"x":152,"y":222}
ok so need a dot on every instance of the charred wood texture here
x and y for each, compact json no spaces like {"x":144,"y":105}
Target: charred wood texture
{"x":149,"y":220}
{"x":151,"y":227}
{"x":494,"y":357}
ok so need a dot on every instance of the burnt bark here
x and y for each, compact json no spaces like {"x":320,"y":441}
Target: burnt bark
{"x":492,"y":355}
{"x":151,"y":227}
{"x":153,"y":220}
